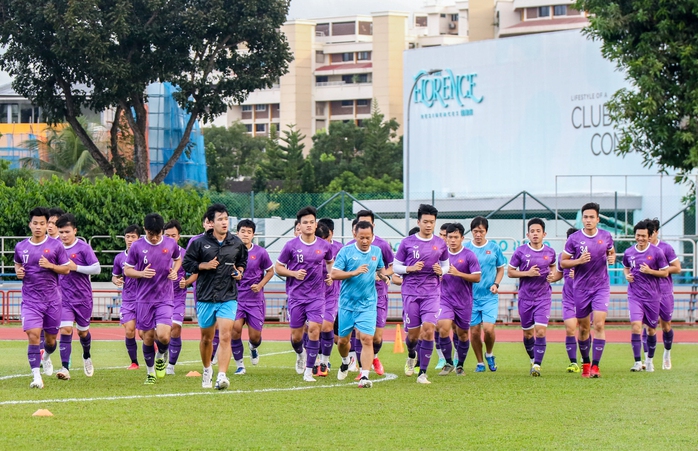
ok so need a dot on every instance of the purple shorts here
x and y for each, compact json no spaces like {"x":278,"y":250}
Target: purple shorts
{"x":148,"y":316}
{"x":458,"y":312}
{"x":179,"y":306}
{"x":382,"y":311}
{"x":127,"y":312}
{"x":646,"y":311}
{"x":421,"y":309}
{"x":46,"y":316}
{"x":587,"y":302}
{"x":252,"y":314}
{"x":331,"y":307}
{"x":534,"y":313}
{"x":300,"y":311}
{"x":666,"y":307}
{"x":79,"y":314}
{"x":569,"y":309}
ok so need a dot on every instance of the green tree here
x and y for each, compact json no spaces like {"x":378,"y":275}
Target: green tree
{"x":293,"y":158}
{"x":382,"y":151}
{"x":308,"y":184}
{"x":10,"y":177}
{"x":334,"y":151}
{"x":352,"y":184}
{"x":73,"y":56}
{"x":231,"y":152}
{"x":272,"y":167}
{"x":655,"y":42}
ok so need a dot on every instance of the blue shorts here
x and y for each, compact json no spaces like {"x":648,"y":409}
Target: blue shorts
{"x":364,"y":322}
{"x":484,"y":311}
{"x":208,"y":312}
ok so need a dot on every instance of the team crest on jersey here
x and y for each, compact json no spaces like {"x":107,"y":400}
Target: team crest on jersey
{"x":600,"y":241}
{"x":434,"y":247}
{"x":318,"y":251}
{"x":46,"y":251}
{"x":545,"y":257}
{"x":73,"y":255}
{"x":460,"y":260}
{"x":253,"y":257}
{"x":488,"y":252}
{"x":649,"y":257}
{"x":373,"y":258}
{"x":164,"y":251}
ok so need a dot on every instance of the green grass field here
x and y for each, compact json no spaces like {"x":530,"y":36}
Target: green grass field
{"x":271,"y":408}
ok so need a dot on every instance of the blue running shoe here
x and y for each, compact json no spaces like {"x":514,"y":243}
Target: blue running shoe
{"x":480,"y":368}
{"x":455,"y":362}
{"x":491,"y":363}
{"x":240,"y":371}
{"x":440,"y":364}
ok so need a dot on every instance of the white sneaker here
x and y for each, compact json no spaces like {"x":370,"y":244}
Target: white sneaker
{"x":649,"y":366}
{"x":37,"y":382}
{"x":308,"y":378}
{"x":254,"y":355}
{"x":422,"y":379}
{"x":342,"y":374}
{"x":170,"y":370}
{"x":637,"y":367}
{"x":300,"y":362}
{"x":89,"y":368}
{"x":48,"y":365}
{"x":352,"y":362}
{"x":365,"y":383}
{"x":207,"y":378}
{"x":409,"y":366}
{"x":63,"y":374}
{"x":222,"y":382}
{"x":666,"y":363}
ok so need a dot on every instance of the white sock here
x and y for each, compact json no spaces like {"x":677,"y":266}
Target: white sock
{"x":649,"y":359}
{"x":364,"y":373}
{"x":151,"y":369}
{"x":36,"y":372}
{"x":375,"y":356}
{"x":667,"y":353}
{"x":487,"y":354}
{"x":208,"y":370}
{"x":221,"y":375}
{"x":440,"y":353}
{"x":345,"y":360}
{"x":252,"y":347}
{"x":240,"y":363}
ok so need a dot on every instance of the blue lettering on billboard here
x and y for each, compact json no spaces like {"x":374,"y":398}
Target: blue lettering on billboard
{"x":445,"y":87}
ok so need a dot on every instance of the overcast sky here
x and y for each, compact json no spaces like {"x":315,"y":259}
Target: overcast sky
{"x":311,"y":9}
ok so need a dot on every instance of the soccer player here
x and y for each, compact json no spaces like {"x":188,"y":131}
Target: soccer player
{"x":589,"y":251}
{"x":76,"y":294}
{"x":127,"y":314}
{"x":154,"y":262}
{"x":443,"y":230}
{"x":568,"y":311}
{"x":219,"y":258}
{"x":666,"y":309}
{"x":54,"y":214}
{"x":485,"y":292}
{"x":251,"y":306}
{"x":644,"y":265}
{"x":39,"y":260}
{"x":457,"y":299}
{"x":358,"y":265}
{"x":437,"y":340}
{"x":173,"y":229}
{"x":534,"y":264}
{"x":325,"y":231}
{"x":422,"y":259}
{"x":301,"y":262}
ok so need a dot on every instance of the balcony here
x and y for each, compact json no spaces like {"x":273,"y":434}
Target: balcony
{"x":339,"y":90}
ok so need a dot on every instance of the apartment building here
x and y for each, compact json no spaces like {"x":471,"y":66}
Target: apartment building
{"x":521,"y":17}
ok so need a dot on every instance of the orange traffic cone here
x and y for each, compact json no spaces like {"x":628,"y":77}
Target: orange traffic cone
{"x":398,"y":346}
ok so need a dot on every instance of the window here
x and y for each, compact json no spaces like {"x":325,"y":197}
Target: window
{"x":355,"y":78}
{"x":247,"y":108}
{"x":347,"y":103}
{"x":544,"y":11}
{"x":322,"y":29}
{"x":348,"y":57}
{"x":363,"y":102}
{"x":319,"y":56}
{"x":321,"y":79}
{"x":343,"y":28}
{"x":454,"y":17}
{"x":420,"y":21}
{"x":366,"y":28}
{"x":560,"y":10}
{"x":248,"y":128}
{"x":363,"y":56}
{"x":531,"y":13}
{"x":260,"y":128}
{"x":260,"y":107}
{"x":277,"y":127}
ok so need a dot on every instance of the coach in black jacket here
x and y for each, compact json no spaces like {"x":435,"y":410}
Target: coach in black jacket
{"x":219,"y":258}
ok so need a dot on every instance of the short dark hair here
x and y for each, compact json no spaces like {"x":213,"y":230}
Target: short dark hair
{"x":322,"y":231}
{"x":426,"y":209}
{"x":364,"y":225}
{"x":55,"y":211}
{"x":536,"y":221}
{"x":38,"y":212}
{"x":570,"y":231}
{"x":413,"y":230}
{"x":655,"y":223}
{"x":133,"y":228}
{"x":66,"y":220}
{"x":213,"y":209}
{"x":247,"y":223}
{"x":354,"y":222}
{"x":456,"y":226}
{"x":328,"y":222}
{"x":363,"y":213}
{"x":173,"y":224}
{"x":296,"y":222}
{"x":591,"y":206}
{"x":479,"y":221}
{"x":645,"y":224}
{"x":305,"y":211}
{"x":204,"y":218}
{"x":444,"y":226}
{"x":153,"y":222}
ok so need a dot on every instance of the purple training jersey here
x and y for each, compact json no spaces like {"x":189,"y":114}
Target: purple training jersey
{"x":258,"y":262}
{"x":414,"y":249}
{"x":457,"y":290}
{"x":128,"y":291}
{"x":593,"y":275}
{"x":332,"y":292}
{"x":644,"y":286}
{"x":567,"y":288}
{"x":40,"y":285}
{"x":75,"y":286}
{"x":388,"y":257}
{"x":665,"y":283}
{"x":525,"y":258}
{"x":191,"y":240}
{"x":296,"y":255}
{"x":160,"y":257}
{"x":180,"y":294}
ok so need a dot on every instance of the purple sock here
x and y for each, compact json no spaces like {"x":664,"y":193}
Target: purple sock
{"x":668,"y":339}
{"x":132,"y":349}
{"x":528,"y":344}
{"x":584,"y":346}
{"x":636,"y":342}
{"x":305,"y":339}
{"x":175,"y":348}
{"x":539,"y":350}
{"x":598,"y":351}
{"x":651,"y":345}
{"x":377,"y":348}
{"x":437,"y":340}
{"x":162,"y":348}
{"x":412,"y":347}
{"x":358,"y":347}
{"x":237,"y":348}
{"x":86,"y":343}
{"x":425,"y":351}
{"x":447,"y":348}
{"x":571,"y":345}
{"x":462,"y":348}
{"x":352,"y":341}
{"x":326,"y":342}
{"x":66,"y":348}
{"x":42,"y":339}
{"x":216,"y":341}
{"x":313,"y":347}
{"x":644,"y":339}
{"x":455,"y":341}
{"x":149,"y":355}
{"x":34,"y":356}
{"x":50,"y":349}
{"x":297,"y":346}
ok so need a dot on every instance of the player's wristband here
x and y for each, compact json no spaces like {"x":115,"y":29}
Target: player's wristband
{"x":496,"y":285}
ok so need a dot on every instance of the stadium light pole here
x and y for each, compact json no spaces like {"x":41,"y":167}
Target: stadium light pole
{"x":406,"y":147}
